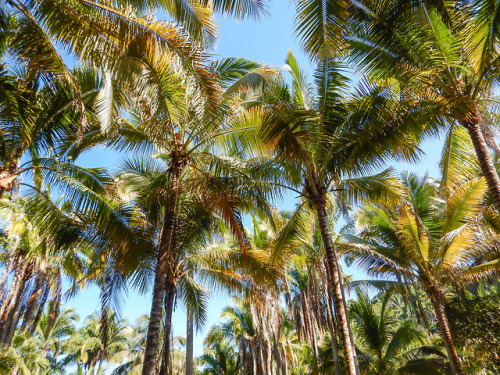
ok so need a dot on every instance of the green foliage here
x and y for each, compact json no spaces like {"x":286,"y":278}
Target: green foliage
{"x":476,"y":327}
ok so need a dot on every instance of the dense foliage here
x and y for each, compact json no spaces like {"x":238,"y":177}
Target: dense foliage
{"x":476,"y":323}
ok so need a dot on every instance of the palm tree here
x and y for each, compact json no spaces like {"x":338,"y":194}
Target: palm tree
{"x":54,"y":336}
{"x":101,"y":339}
{"x":40,"y":352}
{"x":386,"y":345}
{"x":422,"y":238}
{"x":187,"y":176}
{"x":219,"y":357}
{"x":324,"y":143}
{"x":442,"y":55}
{"x":38,"y":259}
{"x":240,"y":329}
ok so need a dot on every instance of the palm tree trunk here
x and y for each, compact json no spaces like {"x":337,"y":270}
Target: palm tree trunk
{"x":243,"y":362}
{"x":339,"y":302}
{"x":483,"y":154}
{"x":34,"y":300}
{"x":12,"y":303}
{"x":277,"y":356}
{"x":261,"y":360}
{"x":13,"y":289}
{"x":331,"y":321}
{"x":55,"y":303}
{"x":308,"y":315}
{"x":13,"y":318}
{"x":286,"y":371}
{"x":189,"y":344}
{"x":351,"y":335}
{"x":167,"y":331}
{"x":253,"y":351}
{"x":91,"y":367}
{"x":288,"y":296}
{"x":444,"y":325}
{"x":41,"y":308}
{"x":164,"y":254}
{"x":269,"y":358}
{"x":4,"y":278}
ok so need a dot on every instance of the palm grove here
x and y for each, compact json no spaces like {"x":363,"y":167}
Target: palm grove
{"x":207,"y":143}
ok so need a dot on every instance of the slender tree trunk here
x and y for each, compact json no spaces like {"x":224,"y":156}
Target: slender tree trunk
{"x":339,"y":302}
{"x":164,"y":255}
{"x":13,"y":289}
{"x":351,"y":335}
{"x":104,"y":333}
{"x":438,"y":302}
{"x":41,"y":307}
{"x":483,"y":154}
{"x":308,"y":317}
{"x":167,"y":334}
{"x":4,"y":279}
{"x":189,"y":344}
{"x":91,"y":367}
{"x":55,"y":304}
{"x":150,"y":351}
{"x":269,"y":358}
{"x":12,"y":303}
{"x":286,"y":371}
{"x":261,"y":361}
{"x":331,"y":322}
{"x":253,"y":351}
{"x":241,"y":353}
{"x":288,"y":297}
{"x":33,"y":301}
{"x":14,"y":315}
{"x":277,"y":356}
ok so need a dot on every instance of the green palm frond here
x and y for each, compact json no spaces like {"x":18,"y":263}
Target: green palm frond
{"x":195,"y":298}
{"x":239,"y":8}
{"x":318,"y":25}
{"x":463,"y":204}
{"x":458,"y":161}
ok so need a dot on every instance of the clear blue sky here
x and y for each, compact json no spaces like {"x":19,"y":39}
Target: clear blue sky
{"x":266,"y":41}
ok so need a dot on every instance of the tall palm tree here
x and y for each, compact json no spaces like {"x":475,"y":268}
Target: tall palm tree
{"x":422,"y":238}
{"x":324,"y":143}
{"x":188,"y":175}
{"x":441,"y":54}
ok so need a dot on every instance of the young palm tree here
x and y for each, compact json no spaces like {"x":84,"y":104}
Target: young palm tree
{"x":219,"y":357}
{"x":40,"y":352}
{"x":425,"y":239}
{"x":386,"y":345}
{"x":97,"y":342}
{"x":442,"y":55}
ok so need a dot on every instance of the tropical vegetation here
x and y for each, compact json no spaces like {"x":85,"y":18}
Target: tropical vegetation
{"x":209,"y":147}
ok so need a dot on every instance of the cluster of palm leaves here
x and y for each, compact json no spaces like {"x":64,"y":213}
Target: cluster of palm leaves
{"x":206,"y":143}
